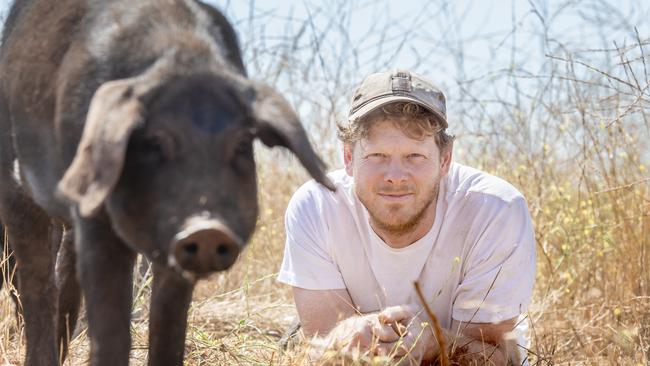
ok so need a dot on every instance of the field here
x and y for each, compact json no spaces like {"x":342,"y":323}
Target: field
{"x":570,"y":129}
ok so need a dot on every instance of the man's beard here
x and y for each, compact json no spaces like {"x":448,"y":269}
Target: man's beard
{"x":403,"y":228}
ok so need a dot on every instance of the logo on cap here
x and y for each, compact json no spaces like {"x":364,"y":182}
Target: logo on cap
{"x":401,"y":81}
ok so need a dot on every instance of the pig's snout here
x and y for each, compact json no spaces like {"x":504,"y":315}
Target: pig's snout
{"x":205,"y":246}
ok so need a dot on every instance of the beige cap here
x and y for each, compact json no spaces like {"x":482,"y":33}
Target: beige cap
{"x":399,"y":85}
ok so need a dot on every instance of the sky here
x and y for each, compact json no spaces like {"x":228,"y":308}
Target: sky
{"x":470,"y":48}
{"x":486,"y":28}
{"x":451,"y":42}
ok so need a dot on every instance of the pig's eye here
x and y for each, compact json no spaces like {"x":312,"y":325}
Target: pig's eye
{"x":155,"y":148}
{"x":151,"y":151}
{"x":242,"y":160}
{"x":244,"y":149}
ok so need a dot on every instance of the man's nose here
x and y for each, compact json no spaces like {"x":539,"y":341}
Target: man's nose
{"x":396,"y":172}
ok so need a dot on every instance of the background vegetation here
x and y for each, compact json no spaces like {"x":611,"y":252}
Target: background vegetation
{"x":555,"y":99}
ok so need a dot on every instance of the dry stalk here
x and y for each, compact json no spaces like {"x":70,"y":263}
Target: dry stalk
{"x":444,"y":358}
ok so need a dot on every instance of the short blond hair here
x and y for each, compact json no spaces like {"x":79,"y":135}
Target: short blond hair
{"x":414,"y":120}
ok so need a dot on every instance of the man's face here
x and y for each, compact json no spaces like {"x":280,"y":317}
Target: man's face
{"x":396,"y":177}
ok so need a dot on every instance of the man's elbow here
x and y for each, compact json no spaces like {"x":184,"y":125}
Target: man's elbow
{"x":470,"y":351}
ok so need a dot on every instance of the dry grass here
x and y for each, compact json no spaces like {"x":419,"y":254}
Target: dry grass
{"x":572,"y":135}
{"x":591,"y":304}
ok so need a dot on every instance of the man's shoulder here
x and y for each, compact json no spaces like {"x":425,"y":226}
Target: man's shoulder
{"x":465,"y":182}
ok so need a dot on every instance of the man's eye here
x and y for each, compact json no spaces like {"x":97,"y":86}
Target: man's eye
{"x":415,"y":156}
{"x":376,"y":156}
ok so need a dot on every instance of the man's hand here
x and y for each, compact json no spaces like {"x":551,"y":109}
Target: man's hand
{"x":396,"y":332}
{"x":363,"y":334}
{"x":417,"y":341}
{"x":331,"y":313}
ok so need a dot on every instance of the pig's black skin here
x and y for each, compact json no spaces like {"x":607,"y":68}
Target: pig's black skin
{"x":173,"y":118}
{"x":170,"y":158}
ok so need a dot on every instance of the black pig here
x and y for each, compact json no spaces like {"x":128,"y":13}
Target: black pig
{"x":130,"y":124}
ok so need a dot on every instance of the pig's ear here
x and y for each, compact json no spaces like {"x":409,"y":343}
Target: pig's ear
{"x":116,"y":109}
{"x":113,"y":113}
{"x":278,"y":125}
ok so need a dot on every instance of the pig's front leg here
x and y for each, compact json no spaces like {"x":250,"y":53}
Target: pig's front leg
{"x":170,"y":300}
{"x":69,"y":293}
{"x":28,"y":231}
{"x":105,"y":267}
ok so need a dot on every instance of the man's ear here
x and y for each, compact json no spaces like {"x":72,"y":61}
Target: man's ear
{"x":348,"y":152}
{"x":445,"y":159}
{"x":278,"y":125}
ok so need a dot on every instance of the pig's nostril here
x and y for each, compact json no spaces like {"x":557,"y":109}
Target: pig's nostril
{"x":203,"y":247}
{"x":191,"y":248}
{"x":222,"y":249}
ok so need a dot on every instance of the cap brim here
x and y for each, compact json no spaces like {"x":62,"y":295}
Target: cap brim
{"x":388,"y":99}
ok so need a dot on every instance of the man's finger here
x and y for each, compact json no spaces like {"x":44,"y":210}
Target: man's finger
{"x":396,"y":314}
{"x":409,"y":345}
{"x":383,"y":349}
{"x":401,"y":328}
{"x":385,"y":333}
{"x":402,"y":349}
{"x":353,"y":352}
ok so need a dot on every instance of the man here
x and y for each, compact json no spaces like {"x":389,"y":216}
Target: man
{"x":404,"y":212}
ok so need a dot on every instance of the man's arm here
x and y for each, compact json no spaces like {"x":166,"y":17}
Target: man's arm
{"x":471,"y":342}
{"x":486,"y":332}
{"x":321,"y":310}
{"x":491,"y":341}
{"x":330,"y":315}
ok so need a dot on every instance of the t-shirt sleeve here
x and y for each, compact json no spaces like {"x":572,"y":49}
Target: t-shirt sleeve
{"x":498,"y":280}
{"x":307,"y":263}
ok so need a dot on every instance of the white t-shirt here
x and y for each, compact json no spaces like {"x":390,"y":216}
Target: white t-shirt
{"x":476,"y":264}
